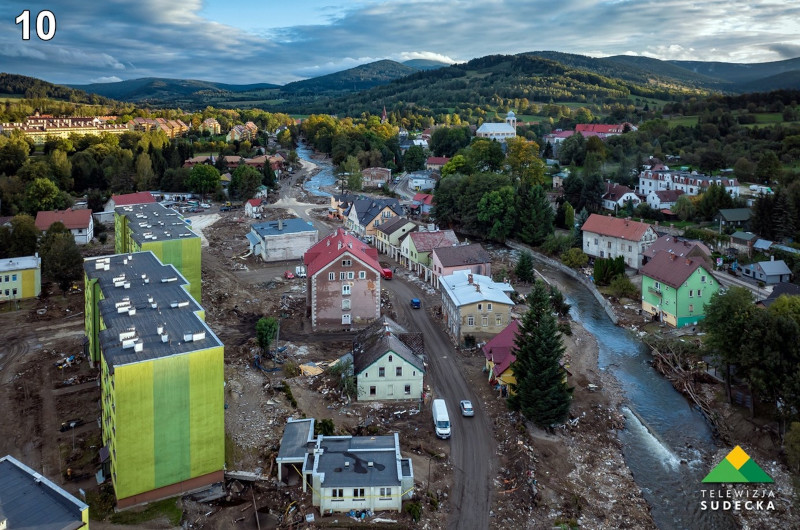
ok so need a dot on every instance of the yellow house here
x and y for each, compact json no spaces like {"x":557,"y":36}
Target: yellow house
{"x":20,"y":278}
{"x":499,"y":353}
{"x":475,"y":307}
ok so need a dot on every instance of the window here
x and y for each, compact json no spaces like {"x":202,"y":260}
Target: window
{"x":488,"y":307}
{"x":346,"y":319}
{"x":498,"y":320}
{"x":14,"y":291}
{"x":703,"y":278}
{"x":372,"y":391}
{"x":6,"y":277}
{"x":351,"y":275}
{"x":337,"y":493}
{"x":385,"y":492}
{"x":345,"y":290}
{"x":485,"y":321}
{"x":699,"y":292}
{"x":609,"y":244}
{"x":358,"y":493}
{"x":691,"y":307}
{"x":470,"y":321}
{"x":13,"y":277}
{"x":398,"y":371}
{"x":362,"y":275}
{"x":630,"y":248}
{"x":346,"y":263}
{"x":595,"y":241}
{"x":381,"y":372}
{"x":691,"y":293}
{"x":480,"y":307}
{"x":657,"y":286}
{"x":331,"y":276}
{"x":346,"y":303}
{"x":342,"y":275}
{"x":407,"y":390}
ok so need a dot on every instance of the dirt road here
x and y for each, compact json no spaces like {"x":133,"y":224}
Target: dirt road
{"x":472,"y":446}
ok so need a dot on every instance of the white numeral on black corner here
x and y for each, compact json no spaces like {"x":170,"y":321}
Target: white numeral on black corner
{"x":45,"y":24}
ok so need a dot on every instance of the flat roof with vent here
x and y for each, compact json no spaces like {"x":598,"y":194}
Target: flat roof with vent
{"x":363,"y":461}
{"x":154,"y":222}
{"x":147,"y":310}
{"x":284,"y":226}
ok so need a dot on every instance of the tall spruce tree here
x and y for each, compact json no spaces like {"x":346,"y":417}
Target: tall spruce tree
{"x":540,"y":393}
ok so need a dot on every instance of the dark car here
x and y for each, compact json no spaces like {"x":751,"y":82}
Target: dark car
{"x":415,"y":303}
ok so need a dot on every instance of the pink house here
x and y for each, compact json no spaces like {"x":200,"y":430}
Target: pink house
{"x":343,"y":286}
{"x":447,"y":260}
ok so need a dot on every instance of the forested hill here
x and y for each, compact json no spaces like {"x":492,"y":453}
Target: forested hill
{"x":485,"y":81}
{"x":164,"y":89}
{"x":32,"y":88}
{"x":361,"y":77}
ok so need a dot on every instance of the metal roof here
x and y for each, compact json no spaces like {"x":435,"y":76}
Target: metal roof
{"x":154,"y":222}
{"x":147,"y":310}
{"x":465,"y":288}
{"x":358,"y":461}
{"x":30,"y":500}
{"x":21,"y":263}
{"x":283,"y":226}
{"x":775,"y":267}
{"x":296,"y":437}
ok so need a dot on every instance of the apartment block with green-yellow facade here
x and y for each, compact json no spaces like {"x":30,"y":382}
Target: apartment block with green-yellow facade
{"x":152,"y":226}
{"x":162,"y":378}
{"x":20,"y":278}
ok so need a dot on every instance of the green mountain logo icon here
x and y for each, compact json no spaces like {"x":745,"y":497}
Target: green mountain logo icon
{"x":737,"y":467}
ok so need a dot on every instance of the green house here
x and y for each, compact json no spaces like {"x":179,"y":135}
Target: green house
{"x":143,"y":227}
{"x":162,"y":379}
{"x":676,"y":289}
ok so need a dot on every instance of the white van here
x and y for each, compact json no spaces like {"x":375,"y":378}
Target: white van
{"x":441,"y":420}
{"x":300,"y":271}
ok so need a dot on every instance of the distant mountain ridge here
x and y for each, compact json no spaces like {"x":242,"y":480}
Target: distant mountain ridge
{"x":148,"y":88}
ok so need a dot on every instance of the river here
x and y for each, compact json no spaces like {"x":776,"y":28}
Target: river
{"x":323,"y":178}
{"x":666,"y":441}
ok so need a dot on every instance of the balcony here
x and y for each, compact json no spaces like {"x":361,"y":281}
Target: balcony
{"x":655,"y":291}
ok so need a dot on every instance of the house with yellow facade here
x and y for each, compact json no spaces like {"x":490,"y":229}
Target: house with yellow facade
{"x":475,"y":307}
{"x":499,"y":354}
{"x":20,"y":278}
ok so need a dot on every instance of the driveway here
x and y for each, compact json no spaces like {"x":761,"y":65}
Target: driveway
{"x":472,"y":446}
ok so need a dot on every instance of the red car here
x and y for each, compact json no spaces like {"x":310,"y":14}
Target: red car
{"x":289,"y":275}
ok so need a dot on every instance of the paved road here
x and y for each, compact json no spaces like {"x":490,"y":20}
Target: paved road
{"x":727,"y":280}
{"x":472,"y":446}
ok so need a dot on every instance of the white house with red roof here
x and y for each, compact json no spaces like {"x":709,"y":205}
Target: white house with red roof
{"x":617,"y":196}
{"x":253,"y":208}
{"x":343,"y":283}
{"x":79,"y":223}
{"x":609,"y":237}
{"x":663,"y":199}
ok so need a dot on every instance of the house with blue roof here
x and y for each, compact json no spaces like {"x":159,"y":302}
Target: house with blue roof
{"x":769,"y":272}
{"x":284,"y":239}
{"x":475,"y":305}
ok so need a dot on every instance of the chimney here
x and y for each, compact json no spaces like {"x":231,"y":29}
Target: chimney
{"x":280,"y":224}
{"x":672,"y":257}
{"x":688,"y":261}
{"x":469,"y":279}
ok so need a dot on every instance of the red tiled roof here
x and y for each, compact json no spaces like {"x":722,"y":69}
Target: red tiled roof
{"x":500,"y":349}
{"x":615,"y":227}
{"x":600,"y":128}
{"x":681,"y":247}
{"x":424,"y":198}
{"x":254,"y":202}
{"x":71,"y":218}
{"x":142,"y":197}
{"x":427,"y":241}
{"x":615,"y":192}
{"x":336,"y":245}
{"x":438,"y":160}
{"x":671,"y":269}
{"x":668,"y":195}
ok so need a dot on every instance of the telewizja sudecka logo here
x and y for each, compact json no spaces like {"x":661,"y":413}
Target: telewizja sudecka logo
{"x":737,"y":467}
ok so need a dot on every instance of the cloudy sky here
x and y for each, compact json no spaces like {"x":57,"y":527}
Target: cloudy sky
{"x":270,"y":41}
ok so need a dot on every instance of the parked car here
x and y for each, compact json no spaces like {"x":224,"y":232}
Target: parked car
{"x":289,"y":275}
{"x":205,"y":205}
{"x":386,"y":273}
{"x":466,"y":408}
{"x":415,"y":303}
{"x":224,"y":208}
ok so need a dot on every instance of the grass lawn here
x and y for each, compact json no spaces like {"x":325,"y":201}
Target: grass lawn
{"x":687,"y":121}
{"x":167,"y":508}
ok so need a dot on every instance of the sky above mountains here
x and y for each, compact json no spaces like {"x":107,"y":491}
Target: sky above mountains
{"x":269,"y":41}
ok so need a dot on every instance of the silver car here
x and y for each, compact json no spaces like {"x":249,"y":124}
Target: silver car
{"x":466,"y":408}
